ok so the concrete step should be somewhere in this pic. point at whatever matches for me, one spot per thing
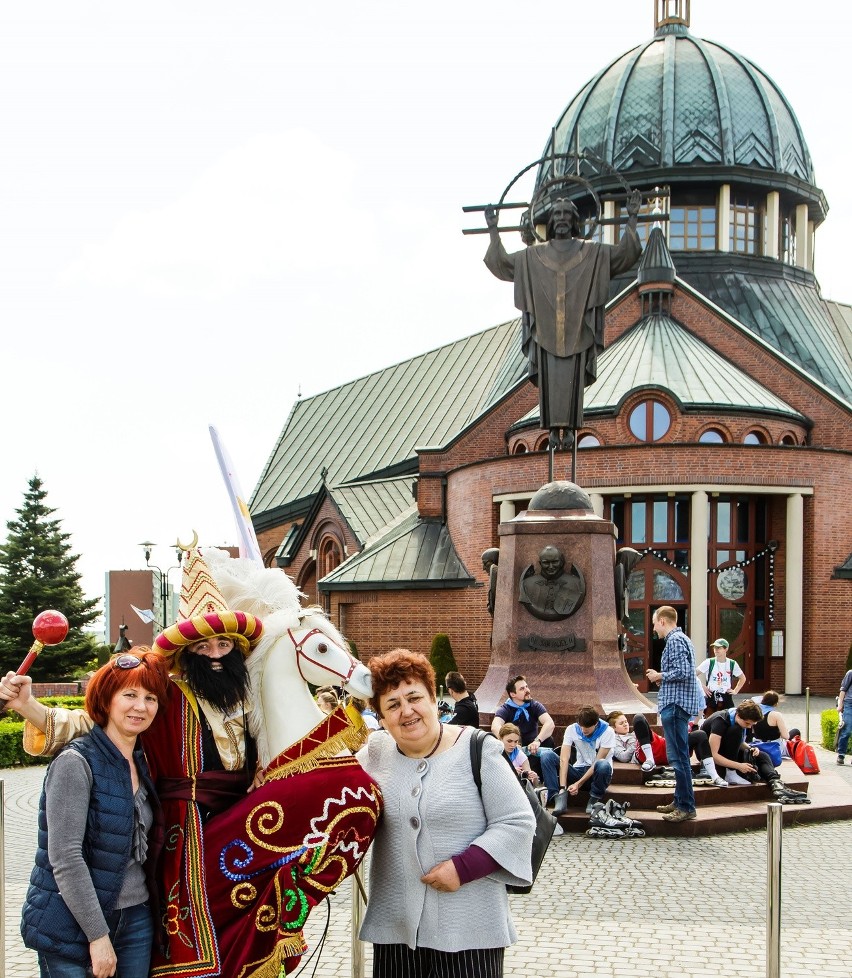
(723, 810)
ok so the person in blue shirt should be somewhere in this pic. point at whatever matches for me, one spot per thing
(681, 698)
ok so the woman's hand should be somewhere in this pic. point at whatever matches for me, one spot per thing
(103, 957)
(443, 877)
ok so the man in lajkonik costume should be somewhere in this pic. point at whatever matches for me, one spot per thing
(235, 877)
(561, 287)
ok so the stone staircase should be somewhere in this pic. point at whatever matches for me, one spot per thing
(720, 810)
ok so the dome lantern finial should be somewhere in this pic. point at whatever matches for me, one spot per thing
(671, 16)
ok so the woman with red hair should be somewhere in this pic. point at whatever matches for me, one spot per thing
(87, 910)
(443, 853)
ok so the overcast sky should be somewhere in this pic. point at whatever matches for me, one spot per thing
(207, 207)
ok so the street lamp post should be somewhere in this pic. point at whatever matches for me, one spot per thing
(164, 578)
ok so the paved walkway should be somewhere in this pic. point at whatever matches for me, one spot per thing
(584, 919)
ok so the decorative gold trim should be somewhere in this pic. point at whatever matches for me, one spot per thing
(350, 738)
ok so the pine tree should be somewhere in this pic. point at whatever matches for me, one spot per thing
(38, 571)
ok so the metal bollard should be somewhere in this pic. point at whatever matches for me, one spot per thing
(807, 714)
(774, 824)
(358, 903)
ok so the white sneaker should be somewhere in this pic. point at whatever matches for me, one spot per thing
(648, 765)
(718, 782)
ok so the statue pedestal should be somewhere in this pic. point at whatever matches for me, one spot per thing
(574, 661)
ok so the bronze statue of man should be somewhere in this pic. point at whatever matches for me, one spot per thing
(555, 593)
(561, 288)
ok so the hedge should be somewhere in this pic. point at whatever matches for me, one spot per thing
(11, 747)
(829, 721)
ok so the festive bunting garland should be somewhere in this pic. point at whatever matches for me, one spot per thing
(770, 549)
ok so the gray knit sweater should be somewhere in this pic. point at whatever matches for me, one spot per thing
(432, 811)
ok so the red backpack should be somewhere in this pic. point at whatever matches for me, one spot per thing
(804, 755)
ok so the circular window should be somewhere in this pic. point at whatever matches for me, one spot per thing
(650, 420)
(732, 583)
(754, 438)
(588, 441)
(712, 437)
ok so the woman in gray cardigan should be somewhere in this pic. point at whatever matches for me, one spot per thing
(443, 854)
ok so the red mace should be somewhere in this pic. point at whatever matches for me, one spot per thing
(49, 628)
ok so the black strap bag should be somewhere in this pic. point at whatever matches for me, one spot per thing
(545, 823)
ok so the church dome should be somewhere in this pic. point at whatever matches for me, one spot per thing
(678, 101)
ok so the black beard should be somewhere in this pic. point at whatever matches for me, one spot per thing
(223, 688)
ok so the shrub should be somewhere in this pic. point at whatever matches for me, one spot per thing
(442, 658)
(829, 721)
(11, 749)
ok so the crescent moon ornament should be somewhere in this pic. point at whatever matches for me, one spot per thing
(187, 547)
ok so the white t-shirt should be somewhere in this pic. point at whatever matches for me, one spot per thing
(587, 753)
(723, 676)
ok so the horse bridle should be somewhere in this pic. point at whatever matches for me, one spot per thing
(301, 654)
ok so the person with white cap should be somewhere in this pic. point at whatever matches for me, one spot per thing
(717, 675)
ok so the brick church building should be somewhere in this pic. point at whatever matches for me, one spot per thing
(717, 437)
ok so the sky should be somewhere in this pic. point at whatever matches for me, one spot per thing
(208, 209)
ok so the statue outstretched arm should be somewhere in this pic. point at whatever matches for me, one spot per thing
(626, 253)
(497, 260)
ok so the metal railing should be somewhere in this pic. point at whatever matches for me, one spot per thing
(774, 824)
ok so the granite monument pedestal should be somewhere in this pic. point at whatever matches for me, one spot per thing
(555, 610)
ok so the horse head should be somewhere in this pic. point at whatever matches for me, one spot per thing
(298, 646)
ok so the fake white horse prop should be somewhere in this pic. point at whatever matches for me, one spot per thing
(271, 858)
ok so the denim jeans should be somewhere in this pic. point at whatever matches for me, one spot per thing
(549, 763)
(846, 728)
(131, 931)
(675, 721)
(600, 780)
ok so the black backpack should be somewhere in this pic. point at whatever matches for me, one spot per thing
(545, 823)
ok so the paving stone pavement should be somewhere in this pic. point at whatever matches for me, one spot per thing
(586, 916)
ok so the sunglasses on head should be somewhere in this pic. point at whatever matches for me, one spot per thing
(126, 661)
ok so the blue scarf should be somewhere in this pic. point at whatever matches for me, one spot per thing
(521, 711)
(595, 735)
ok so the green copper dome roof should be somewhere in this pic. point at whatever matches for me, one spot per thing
(677, 101)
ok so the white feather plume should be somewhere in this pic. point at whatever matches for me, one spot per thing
(256, 590)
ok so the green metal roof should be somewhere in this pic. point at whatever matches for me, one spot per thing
(415, 554)
(370, 507)
(370, 427)
(659, 352)
(783, 307)
(678, 100)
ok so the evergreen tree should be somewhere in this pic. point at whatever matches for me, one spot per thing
(442, 658)
(38, 571)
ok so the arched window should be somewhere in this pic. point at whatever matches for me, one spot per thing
(543, 443)
(788, 439)
(588, 441)
(754, 438)
(329, 556)
(520, 448)
(650, 420)
(712, 437)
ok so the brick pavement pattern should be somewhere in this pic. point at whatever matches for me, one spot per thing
(584, 917)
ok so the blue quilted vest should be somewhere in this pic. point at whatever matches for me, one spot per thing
(47, 924)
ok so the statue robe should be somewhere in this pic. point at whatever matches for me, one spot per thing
(561, 289)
